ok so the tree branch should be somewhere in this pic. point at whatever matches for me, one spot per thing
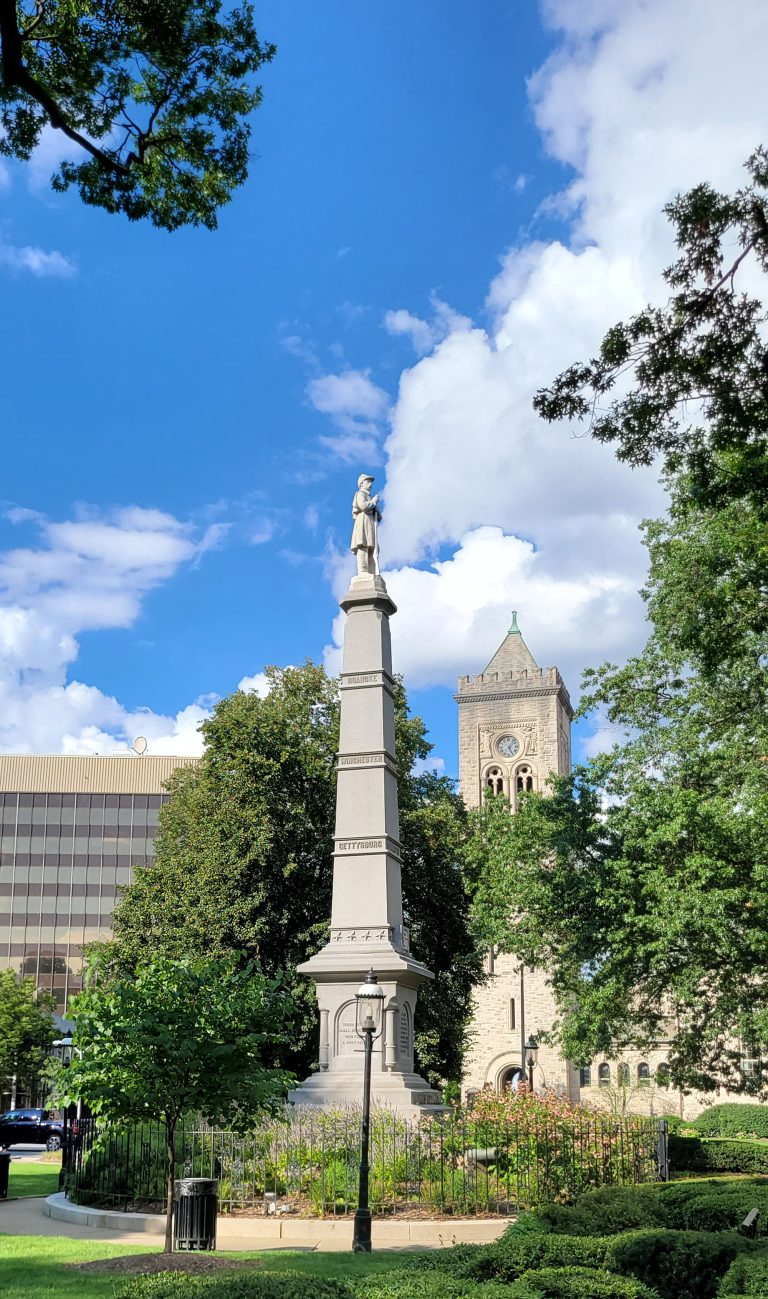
(15, 73)
(36, 21)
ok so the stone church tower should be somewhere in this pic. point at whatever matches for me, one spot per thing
(514, 730)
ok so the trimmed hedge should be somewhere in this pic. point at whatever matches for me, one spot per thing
(746, 1275)
(576, 1283)
(696, 1154)
(408, 1284)
(683, 1206)
(733, 1121)
(234, 1285)
(678, 1264)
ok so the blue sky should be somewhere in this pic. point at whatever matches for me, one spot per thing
(449, 203)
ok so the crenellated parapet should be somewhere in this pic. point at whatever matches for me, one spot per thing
(530, 681)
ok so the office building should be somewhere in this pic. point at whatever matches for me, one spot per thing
(73, 829)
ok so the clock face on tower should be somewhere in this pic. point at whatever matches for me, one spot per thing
(508, 746)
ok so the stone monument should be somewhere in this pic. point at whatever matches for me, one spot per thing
(367, 929)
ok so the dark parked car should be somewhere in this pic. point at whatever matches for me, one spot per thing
(31, 1128)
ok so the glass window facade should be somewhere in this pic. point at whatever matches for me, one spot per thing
(63, 860)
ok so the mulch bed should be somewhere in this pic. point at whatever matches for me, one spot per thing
(198, 1262)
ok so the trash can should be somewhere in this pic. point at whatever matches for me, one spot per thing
(5, 1167)
(195, 1205)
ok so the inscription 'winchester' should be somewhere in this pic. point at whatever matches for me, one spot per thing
(361, 759)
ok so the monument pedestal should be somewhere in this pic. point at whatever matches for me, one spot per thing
(367, 911)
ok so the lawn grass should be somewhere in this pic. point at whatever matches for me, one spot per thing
(33, 1267)
(26, 1178)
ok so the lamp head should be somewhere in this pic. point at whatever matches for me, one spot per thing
(370, 1006)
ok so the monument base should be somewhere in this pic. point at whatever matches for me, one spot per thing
(338, 971)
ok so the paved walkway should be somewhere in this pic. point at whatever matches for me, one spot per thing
(29, 1217)
(26, 1217)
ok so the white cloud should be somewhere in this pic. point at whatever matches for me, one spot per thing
(419, 332)
(87, 573)
(624, 102)
(356, 406)
(424, 334)
(41, 264)
(262, 531)
(52, 149)
(453, 614)
(256, 685)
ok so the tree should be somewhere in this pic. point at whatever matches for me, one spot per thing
(27, 1029)
(157, 94)
(174, 1038)
(641, 881)
(244, 859)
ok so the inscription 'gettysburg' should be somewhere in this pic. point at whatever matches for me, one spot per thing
(358, 845)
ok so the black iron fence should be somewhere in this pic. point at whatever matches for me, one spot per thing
(308, 1162)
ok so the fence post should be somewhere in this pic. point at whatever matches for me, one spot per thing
(662, 1151)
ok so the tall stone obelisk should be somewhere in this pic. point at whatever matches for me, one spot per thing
(367, 929)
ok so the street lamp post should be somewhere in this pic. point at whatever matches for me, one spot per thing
(369, 1023)
(531, 1052)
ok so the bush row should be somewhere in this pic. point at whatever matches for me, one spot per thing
(733, 1121)
(747, 1275)
(678, 1206)
(676, 1264)
(699, 1155)
(547, 1283)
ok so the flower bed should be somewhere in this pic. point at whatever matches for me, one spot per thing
(502, 1155)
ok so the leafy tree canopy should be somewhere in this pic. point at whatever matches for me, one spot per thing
(27, 1029)
(244, 860)
(157, 93)
(642, 881)
(178, 1037)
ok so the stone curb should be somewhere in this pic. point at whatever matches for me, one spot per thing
(318, 1233)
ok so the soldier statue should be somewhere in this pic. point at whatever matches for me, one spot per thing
(366, 514)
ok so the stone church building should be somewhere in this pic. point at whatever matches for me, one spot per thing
(514, 730)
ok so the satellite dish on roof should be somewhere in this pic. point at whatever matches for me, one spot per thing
(139, 745)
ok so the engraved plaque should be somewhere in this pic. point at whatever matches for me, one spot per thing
(405, 1035)
(347, 1041)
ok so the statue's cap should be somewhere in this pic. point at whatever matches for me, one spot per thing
(364, 478)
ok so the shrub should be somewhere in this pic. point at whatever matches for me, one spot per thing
(733, 1121)
(747, 1275)
(508, 1258)
(678, 1264)
(576, 1283)
(690, 1205)
(717, 1156)
(425, 1285)
(597, 1213)
(233, 1285)
(674, 1123)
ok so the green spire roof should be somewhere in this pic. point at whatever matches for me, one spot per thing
(513, 655)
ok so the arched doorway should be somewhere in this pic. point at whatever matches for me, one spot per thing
(510, 1079)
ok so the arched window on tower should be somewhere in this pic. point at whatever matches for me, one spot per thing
(523, 780)
(494, 780)
(643, 1074)
(604, 1075)
(623, 1075)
